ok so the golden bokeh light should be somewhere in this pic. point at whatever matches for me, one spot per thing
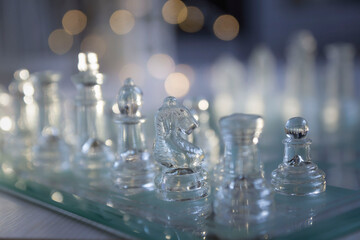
(160, 65)
(94, 43)
(194, 20)
(226, 27)
(177, 85)
(171, 11)
(60, 41)
(138, 7)
(122, 21)
(133, 71)
(74, 21)
(187, 70)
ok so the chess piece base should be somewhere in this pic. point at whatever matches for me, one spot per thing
(300, 180)
(243, 200)
(133, 173)
(182, 184)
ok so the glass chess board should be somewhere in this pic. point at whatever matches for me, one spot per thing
(331, 214)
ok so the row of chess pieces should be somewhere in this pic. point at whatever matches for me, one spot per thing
(179, 169)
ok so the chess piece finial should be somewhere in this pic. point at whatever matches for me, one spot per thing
(133, 170)
(298, 175)
(242, 185)
(129, 99)
(296, 127)
(182, 176)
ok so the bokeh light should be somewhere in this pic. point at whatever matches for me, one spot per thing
(177, 85)
(174, 11)
(6, 123)
(60, 41)
(138, 7)
(121, 22)
(194, 20)
(187, 70)
(226, 27)
(94, 43)
(133, 71)
(74, 21)
(160, 65)
(203, 104)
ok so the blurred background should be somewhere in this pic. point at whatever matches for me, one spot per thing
(277, 58)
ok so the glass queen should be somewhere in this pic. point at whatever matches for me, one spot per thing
(182, 176)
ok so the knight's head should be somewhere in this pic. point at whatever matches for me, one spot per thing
(180, 118)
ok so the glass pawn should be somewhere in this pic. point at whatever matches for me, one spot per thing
(243, 196)
(93, 158)
(297, 175)
(51, 153)
(133, 170)
(23, 134)
(182, 176)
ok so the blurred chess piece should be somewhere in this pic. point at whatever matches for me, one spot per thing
(182, 176)
(262, 95)
(51, 152)
(340, 111)
(204, 136)
(228, 84)
(298, 175)
(133, 170)
(243, 196)
(6, 122)
(93, 158)
(301, 90)
(23, 134)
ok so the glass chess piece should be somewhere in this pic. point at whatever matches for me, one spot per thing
(133, 169)
(204, 136)
(6, 123)
(23, 134)
(243, 195)
(182, 176)
(50, 153)
(93, 158)
(297, 175)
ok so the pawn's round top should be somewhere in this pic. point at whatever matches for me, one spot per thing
(296, 127)
(129, 99)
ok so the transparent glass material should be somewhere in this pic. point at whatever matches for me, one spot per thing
(93, 158)
(51, 153)
(133, 170)
(23, 134)
(182, 176)
(297, 175)
(243, 195)
(204, 136)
